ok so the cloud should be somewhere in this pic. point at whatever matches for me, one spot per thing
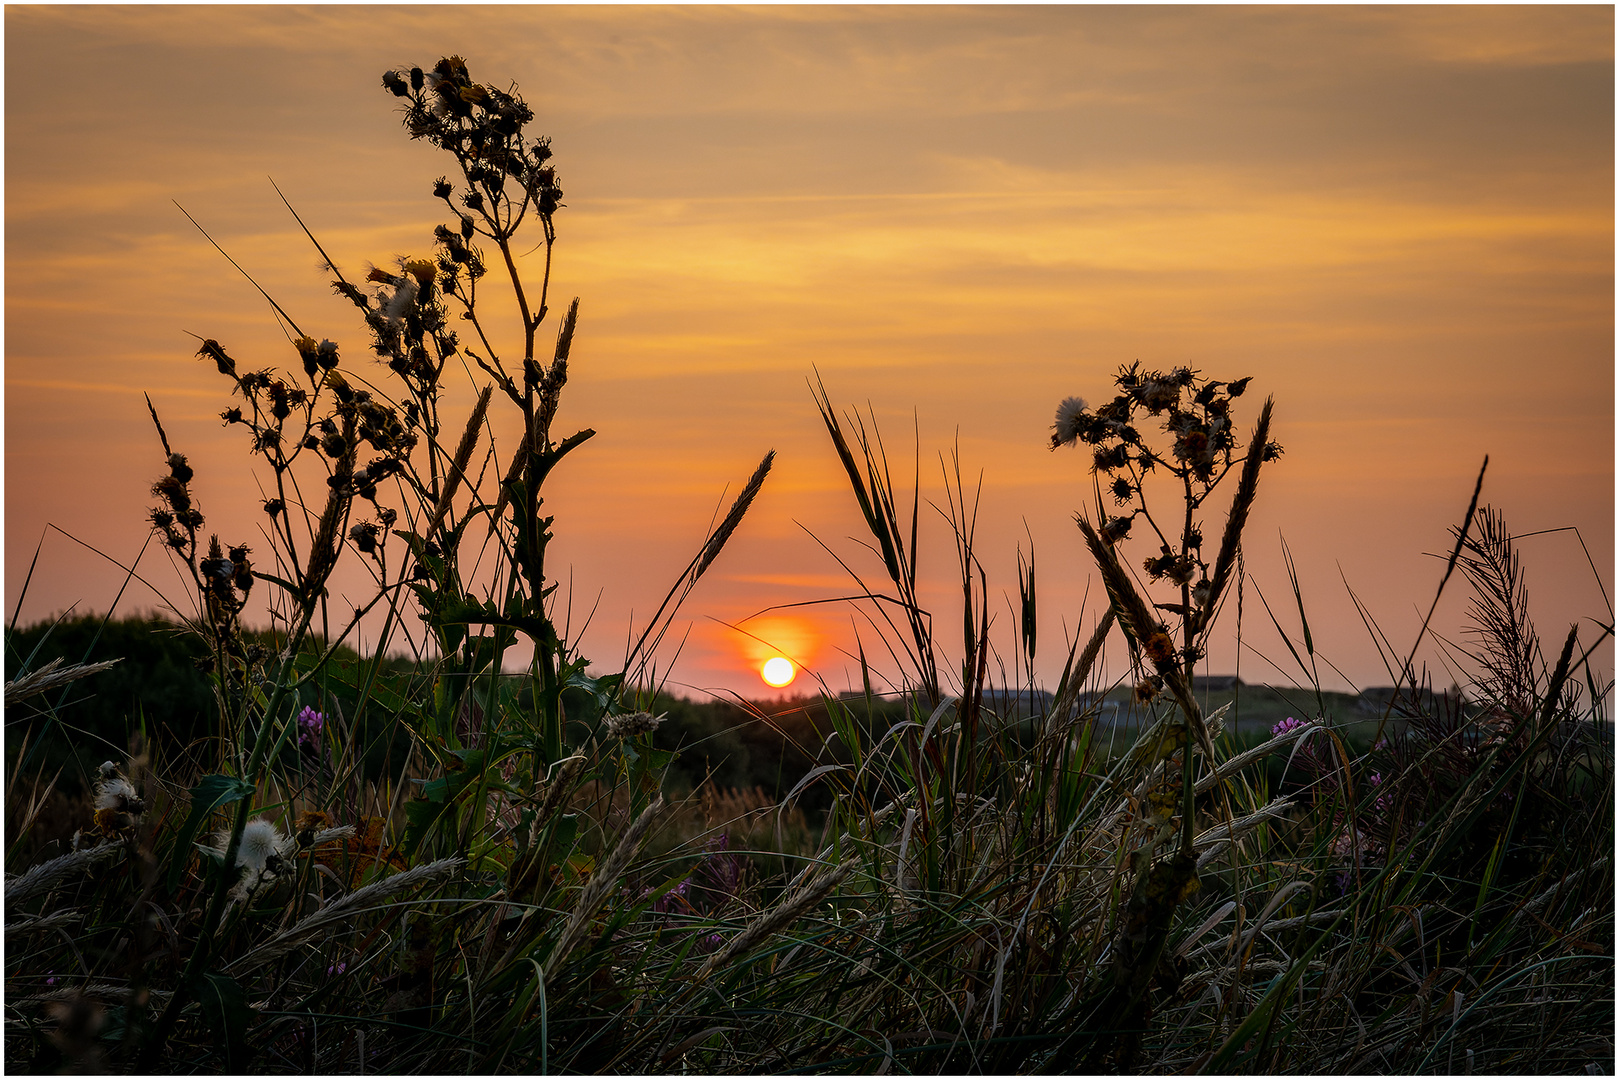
(1398, 219)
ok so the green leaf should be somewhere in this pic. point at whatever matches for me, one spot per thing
(421, 816)
(585, 698)
(657, 759)
(211, 793)
(281, 581)
(352, 676)
(564, 830)
(438, 797)
(228, 1015)
(486, 614)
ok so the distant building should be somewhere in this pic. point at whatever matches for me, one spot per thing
(1017, 704)
(1202, 683)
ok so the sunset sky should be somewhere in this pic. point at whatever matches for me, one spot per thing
(1398, 221)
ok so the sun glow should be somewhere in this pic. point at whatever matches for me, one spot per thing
(778, 671)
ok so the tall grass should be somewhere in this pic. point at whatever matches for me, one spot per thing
(991, 889)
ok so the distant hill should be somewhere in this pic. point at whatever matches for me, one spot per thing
(768, 744)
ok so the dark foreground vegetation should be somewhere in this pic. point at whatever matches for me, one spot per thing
(266, 853)
(156, 699)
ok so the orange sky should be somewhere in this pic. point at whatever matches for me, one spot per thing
(1399, 221)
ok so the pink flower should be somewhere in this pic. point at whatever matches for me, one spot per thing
(1284, 726)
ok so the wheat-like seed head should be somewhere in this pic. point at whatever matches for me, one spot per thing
(48, 875)
(462, 458)
(49, 677)
(339, 911)
(733, 518)
(778, 917)
(602, 880)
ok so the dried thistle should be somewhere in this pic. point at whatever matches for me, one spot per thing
(629, 725)
(1195, 417)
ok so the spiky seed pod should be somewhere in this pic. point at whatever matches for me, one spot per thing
(364, 536)
(1115, 457)
(280, 407)
(174, 492)
(241, 570)
(355, 296)
(210, 348)
(1159, 647)
(1158, 396)
(1117, 528)
(116, 804)
(630, 725)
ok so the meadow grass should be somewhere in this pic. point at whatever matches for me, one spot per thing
(954, 882)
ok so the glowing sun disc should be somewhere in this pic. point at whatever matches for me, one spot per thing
(778, 671)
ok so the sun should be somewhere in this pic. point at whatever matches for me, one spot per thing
(778, 671)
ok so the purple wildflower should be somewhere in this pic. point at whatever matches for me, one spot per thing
(718, 878)
(673, 900)
(337, 968)
(1284, 726)
(310, 724)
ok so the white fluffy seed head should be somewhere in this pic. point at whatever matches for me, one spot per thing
(115, 793)
(401, 300)
(260, 839)
(1067, 425)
